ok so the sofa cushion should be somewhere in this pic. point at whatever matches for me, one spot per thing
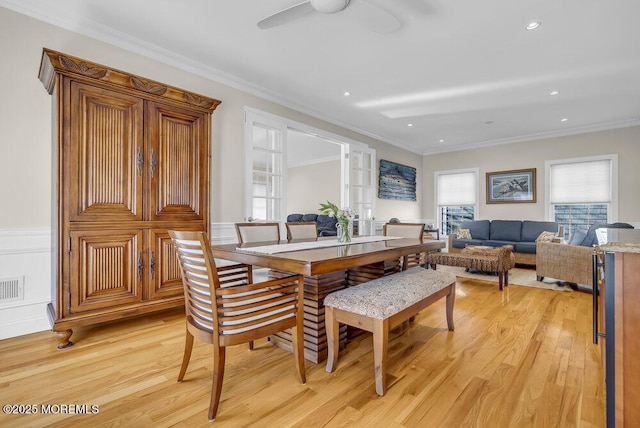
(532, 229)
(309, 217)
(461, 243)
(479, 228)
(294, 217)
(326, 223)
(525, 247)
(506, 230)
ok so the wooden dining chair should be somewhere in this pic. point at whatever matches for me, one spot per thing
(302, 230)
(257, 232)
(224, 308)
(407, 230)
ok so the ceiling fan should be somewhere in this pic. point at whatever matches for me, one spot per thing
(369, 14)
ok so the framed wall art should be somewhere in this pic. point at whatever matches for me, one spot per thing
(508, 187)
(396, 181)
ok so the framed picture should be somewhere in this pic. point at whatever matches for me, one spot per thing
(396, 181)
(508, 187)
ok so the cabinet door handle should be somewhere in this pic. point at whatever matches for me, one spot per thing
(140, 267)
(140, 161)
(153, 264)
(153, 161)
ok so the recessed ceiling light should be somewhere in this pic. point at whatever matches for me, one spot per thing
(442, 141)
(347, 93)
(564, 119)
(552, 93)
(533, 25)
(409, 124)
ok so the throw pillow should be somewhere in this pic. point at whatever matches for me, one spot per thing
(463, 234)
(578, 236)
(546, 236)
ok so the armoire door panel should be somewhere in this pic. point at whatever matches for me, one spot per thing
(165, 279)
(106, 158)
(107, 268)
(176, 151)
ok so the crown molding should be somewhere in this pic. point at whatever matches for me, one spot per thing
(538, 136)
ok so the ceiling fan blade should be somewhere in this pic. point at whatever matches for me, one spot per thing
(373, 17)
(286, 15)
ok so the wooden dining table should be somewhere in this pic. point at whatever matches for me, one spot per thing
(325, 270)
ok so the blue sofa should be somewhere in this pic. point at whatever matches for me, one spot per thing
(326, 225)
(517, 233)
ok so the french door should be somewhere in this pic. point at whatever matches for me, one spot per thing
(359, 185)
(265, 150)
(266, 172)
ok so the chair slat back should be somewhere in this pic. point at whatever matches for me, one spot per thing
(302, 230)
(404, 230)
(199, 277)
(257, 232)
(225, 303)
(243, 309)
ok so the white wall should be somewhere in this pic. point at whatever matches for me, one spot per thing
(625, 142)
(311, 184)
(25, 152)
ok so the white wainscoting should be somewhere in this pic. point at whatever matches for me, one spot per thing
(26, 253)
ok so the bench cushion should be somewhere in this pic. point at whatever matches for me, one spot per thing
(386, 296)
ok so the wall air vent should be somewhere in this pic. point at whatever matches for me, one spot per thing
(11, 289)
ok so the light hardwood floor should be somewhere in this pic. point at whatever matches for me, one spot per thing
(518, 358)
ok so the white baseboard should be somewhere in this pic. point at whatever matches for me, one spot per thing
(26, 319)
(26, 253)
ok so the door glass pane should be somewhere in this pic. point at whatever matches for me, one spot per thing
(361, 187)
(259, 209)
(265, 168)
(260, 162)
(259, 139)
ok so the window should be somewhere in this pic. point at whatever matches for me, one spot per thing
(581, 191)
(456, 198)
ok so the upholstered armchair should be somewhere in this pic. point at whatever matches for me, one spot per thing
(571, 262)
(565, 262)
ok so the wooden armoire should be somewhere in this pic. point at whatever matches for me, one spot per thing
(130, 161)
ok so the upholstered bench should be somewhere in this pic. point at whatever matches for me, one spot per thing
(499, 260)
(382, 304)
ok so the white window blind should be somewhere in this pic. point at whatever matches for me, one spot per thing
(457, 189)
(580, 182)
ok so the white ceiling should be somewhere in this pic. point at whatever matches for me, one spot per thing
(462, 71)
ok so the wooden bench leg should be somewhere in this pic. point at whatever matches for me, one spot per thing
(333, 338)
(380, 347)
(503, 279)
(451, 298)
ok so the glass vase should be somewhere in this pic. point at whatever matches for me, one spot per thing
(344, 232)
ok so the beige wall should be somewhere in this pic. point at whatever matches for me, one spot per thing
(25, 123)
(309, 185)
(625, 142)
